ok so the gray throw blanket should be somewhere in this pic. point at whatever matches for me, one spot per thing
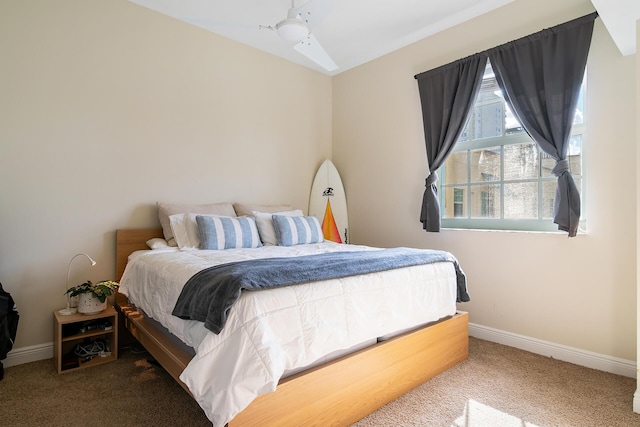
(210, 293)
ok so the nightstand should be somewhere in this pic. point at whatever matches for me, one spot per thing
(94, 332)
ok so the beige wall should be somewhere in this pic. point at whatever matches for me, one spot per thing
(578, 292)
(107, 107)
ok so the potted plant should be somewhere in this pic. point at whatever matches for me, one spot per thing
(92, 298)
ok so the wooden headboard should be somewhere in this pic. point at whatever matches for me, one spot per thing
(129, 241)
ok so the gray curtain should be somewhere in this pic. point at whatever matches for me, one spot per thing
(447, 94)
(540, 77)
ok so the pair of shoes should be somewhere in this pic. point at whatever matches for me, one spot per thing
(90, 326)
(106, 325)
(95, 348)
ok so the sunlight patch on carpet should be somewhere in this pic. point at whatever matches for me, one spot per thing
(147, 372)
(478, 415)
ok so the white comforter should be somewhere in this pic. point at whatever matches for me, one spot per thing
(278, 330)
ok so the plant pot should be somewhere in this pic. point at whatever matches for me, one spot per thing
(89, 304)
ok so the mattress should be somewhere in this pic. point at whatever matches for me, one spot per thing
(272, 332)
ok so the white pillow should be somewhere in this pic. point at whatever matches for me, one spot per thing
(264, 221)
(157, 243)
(245, 209)
(165, 210)
(185, 230)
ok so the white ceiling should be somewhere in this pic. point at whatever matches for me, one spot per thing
(358, 31)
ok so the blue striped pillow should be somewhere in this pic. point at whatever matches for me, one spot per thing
(297, 230)
(227, 233)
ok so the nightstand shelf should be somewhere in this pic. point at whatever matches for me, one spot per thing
(71, 330)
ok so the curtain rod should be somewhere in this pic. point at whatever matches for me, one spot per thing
(560, 27)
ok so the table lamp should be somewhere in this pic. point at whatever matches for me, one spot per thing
(69, 310)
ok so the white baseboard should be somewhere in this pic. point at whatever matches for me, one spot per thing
(573, 355)
(18, 356)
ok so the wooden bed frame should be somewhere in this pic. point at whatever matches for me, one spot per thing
(337, 393)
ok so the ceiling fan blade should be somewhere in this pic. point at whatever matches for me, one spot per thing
(314, 11)
(311, 48)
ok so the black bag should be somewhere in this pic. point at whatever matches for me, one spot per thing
(8, 325)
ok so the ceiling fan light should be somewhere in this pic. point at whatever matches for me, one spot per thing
(292, 30)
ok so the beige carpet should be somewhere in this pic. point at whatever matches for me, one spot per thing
(501, 386)
(498, 386)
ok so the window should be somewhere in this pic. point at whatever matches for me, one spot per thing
(497, 177)
(458, 202)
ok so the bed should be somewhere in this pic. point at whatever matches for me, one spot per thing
(334, 390)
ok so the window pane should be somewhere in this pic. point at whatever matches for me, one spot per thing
(455, 202)
(485, 164)
(521, 200)
(485, 201)
(456, 168)
(578, 117)
(547, 164)
(512, 125)
(574, 155)
(520, 161)
(458, 202)
(548, 198)
(489, 119)
(468, 128)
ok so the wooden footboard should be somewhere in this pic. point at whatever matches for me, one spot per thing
(337, 393)
(343, 391)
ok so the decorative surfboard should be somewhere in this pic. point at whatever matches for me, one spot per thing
(328, 202)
